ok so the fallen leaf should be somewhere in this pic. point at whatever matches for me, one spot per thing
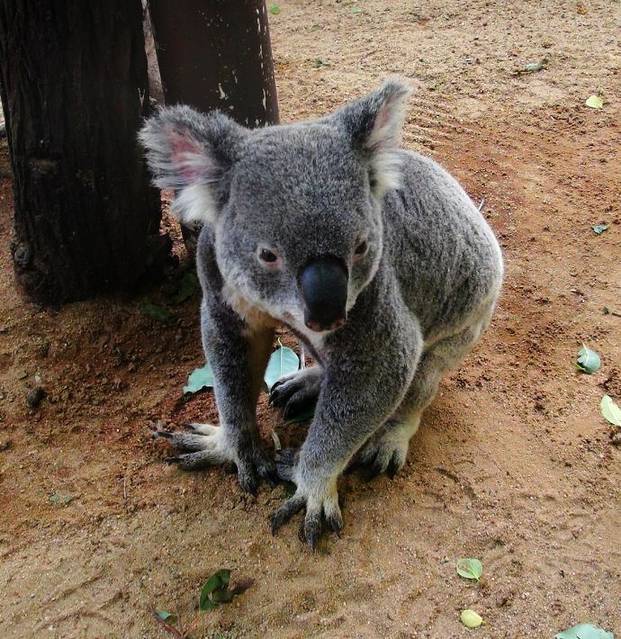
(610, 410)
(199, 378)
(598, 229)
(283, 361)
(588, 361)
(356, 10)
(164, 615)
(594, 102)
(274, 9)
(584, 631)
(156, 312)
(470, 618)
(469, 568)
(217, 583)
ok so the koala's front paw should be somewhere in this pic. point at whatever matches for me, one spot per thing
(320, 498)
(384, 453)
(297, 392)
(206, 445)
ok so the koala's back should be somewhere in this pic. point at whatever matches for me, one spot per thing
(444, 254)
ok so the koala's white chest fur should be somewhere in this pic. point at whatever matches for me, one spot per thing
(256, 318)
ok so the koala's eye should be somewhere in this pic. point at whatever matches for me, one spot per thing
(361, 249)
(267, 256)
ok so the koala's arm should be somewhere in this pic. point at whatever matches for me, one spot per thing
(369, 364)
(238, 357)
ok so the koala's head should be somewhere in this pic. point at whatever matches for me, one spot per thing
(296, 209)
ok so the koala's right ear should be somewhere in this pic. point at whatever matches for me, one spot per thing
(192, 153)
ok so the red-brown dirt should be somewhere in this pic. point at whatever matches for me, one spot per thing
(513, 465)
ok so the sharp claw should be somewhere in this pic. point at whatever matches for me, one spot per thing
(312, 530)
(393, 468)
(166, 434)
(172, 460)
(291, 507)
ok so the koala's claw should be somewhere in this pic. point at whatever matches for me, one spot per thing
(383, 455)
(297, 393)
(322, 511)
(206, 445)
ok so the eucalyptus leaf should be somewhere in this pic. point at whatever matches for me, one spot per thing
(212, 592)
(199, 378)
(469, 568)
(598, 229)
(588, 360)
(584, 631)
(594, 102)
(610, 410)
(164, 615)
(470, 618)
(283, 361)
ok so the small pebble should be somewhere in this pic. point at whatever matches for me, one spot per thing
(616, 439)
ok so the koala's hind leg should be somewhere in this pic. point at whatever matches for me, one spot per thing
(386, 450)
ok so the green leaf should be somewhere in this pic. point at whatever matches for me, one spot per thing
(588, 361)
(156, 312)
(164, 615)
(610, 410)
(199, 378)
(469, 568)
(188, 285)
(283, 361)
(274, 9)
(470, 618)
(594, 102)
(356, 10)
(598, 229)
(584, 631)
(212, 589)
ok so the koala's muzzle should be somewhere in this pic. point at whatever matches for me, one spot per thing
(323, 282)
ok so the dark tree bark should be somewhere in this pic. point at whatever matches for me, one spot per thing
(216, 54)
(74, 87)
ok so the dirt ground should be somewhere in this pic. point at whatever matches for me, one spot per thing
(513, 465)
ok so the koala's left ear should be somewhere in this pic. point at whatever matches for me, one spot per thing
(374, 125)
(192, 153)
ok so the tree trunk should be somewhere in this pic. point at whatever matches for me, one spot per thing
(74, 87)
(216, 54)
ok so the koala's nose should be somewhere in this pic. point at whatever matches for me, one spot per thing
(323, 283)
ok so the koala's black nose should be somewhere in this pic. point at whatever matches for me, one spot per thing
(323, 282)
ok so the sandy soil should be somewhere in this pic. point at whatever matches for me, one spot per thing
(514, 463)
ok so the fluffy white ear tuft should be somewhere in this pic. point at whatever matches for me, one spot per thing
(374, 124)
(191, 153)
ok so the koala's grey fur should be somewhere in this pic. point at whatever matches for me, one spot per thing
(417, 301)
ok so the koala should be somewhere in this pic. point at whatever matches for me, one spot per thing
(374, 256)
